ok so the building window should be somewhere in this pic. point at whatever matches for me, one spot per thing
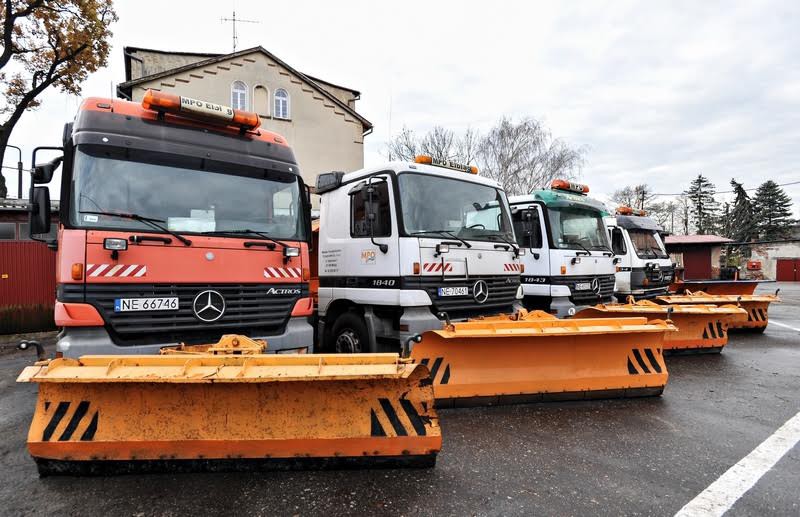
(239, 95)
(281, 103)
(8, 231)
(261, 101)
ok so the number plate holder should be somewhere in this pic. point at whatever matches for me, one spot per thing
(168, 303)
(454, 291)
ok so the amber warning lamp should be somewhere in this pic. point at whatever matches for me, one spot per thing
(579, 188)
(199, 110)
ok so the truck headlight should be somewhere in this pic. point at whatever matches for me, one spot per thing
(291, 251)
(114, 244)
(520, 293)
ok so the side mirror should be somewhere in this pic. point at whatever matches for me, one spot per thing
(43, 173)
(39, 217)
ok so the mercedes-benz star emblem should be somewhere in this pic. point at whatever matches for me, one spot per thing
(208, 306)
(595, 285)
(480, 291)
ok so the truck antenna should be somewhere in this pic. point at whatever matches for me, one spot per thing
(233, 21)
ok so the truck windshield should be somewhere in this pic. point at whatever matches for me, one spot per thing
(469, 210)
(647, 244)
(578, 228)
(190, 195)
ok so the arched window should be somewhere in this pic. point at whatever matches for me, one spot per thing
(239, 95)
(281, 103)
(261, 100)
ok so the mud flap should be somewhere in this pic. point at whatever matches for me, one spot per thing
(125, 414)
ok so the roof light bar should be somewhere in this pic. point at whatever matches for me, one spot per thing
(447, 164)
(626, 210)
(580, 188)
(199, 110)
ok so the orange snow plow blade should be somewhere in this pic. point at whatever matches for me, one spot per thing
(701, 328)
(756, 305)
(534, 356)
(177, 413)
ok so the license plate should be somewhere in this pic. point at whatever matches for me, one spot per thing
(668, 278)
(145, 304)
(453, 291)
(583, 286)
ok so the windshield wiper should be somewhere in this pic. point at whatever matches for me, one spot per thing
(604, 247)
(513, 245)
(247, 232)
(152, 222)
(446, 233)
(582, 246)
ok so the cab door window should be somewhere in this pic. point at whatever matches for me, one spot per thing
(359, 200)
(528, 229)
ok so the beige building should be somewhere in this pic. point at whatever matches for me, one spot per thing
(318, 119)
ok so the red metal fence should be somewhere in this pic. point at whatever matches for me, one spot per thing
(27, 287)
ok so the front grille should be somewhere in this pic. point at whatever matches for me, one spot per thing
(249, 310)
(653, 275)
(587, 296)
(502, 294)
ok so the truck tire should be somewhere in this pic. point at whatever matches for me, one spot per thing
(349, 335)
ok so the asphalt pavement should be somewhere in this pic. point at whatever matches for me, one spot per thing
(616, 457)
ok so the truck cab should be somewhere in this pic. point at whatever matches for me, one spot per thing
(180, 221)
(404, 247)
(569, 261)
(644, 268)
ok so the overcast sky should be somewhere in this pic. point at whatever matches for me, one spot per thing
(657, 92)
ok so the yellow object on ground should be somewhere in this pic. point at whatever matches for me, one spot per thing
(701, 328)
(756, 305)
(175, 412)
(535, 356)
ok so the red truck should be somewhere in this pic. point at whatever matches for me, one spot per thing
(180, 221)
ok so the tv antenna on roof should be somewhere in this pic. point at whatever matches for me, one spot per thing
(233, 19)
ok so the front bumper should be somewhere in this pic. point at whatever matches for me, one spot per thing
(78, 341)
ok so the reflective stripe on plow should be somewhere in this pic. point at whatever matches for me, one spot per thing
(649, 353)
(393, 419)
(437, 363)
(639, 359)
(58, 415)
(80, 412)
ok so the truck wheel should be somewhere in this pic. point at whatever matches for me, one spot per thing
(350, 334)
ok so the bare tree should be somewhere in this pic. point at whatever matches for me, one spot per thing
(439, 143)
(404, 146)
(523, 156)
(634, 196)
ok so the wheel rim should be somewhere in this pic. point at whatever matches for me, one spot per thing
(348, 342)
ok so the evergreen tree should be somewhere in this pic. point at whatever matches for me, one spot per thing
(742, 218)
(703, 208)
(773, 211)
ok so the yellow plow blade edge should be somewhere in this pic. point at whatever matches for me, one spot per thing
(756, 306)
(701, 329)
(534, 356)
(125, 414)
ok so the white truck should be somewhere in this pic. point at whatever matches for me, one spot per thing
(644, 268)
(404, 247)
(569, 263)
